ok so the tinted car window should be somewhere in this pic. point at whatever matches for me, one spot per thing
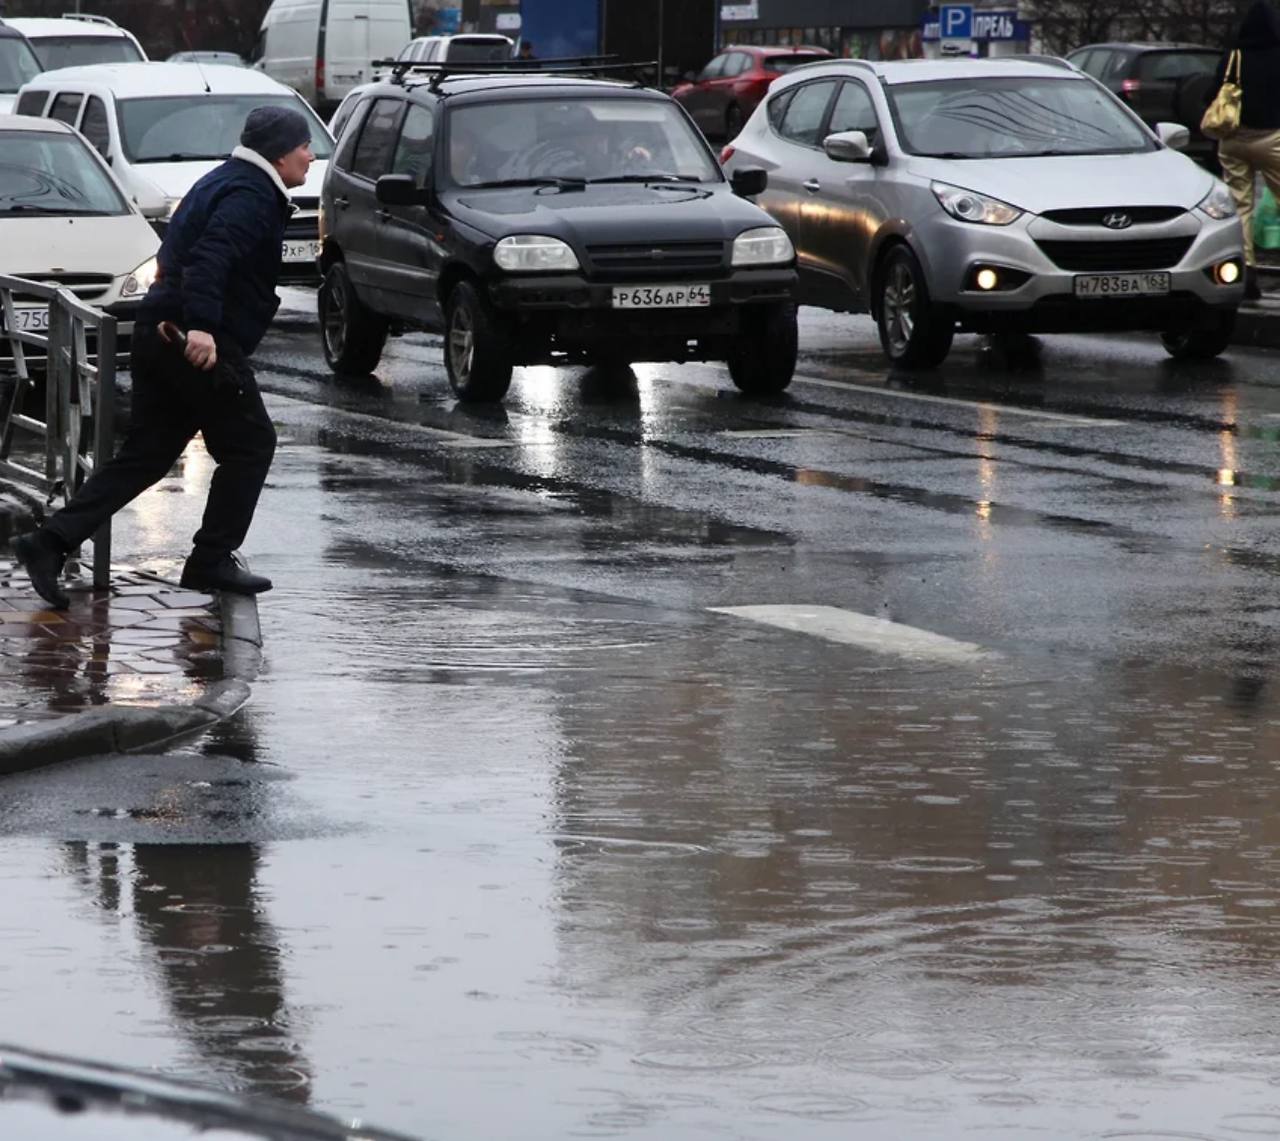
(94, 125)
(736, 64)
(413, 151)
(1116, 66)
(803, 118)
(31, 103)
(80, 51)
(478, 51)
(1012, 118)
(53, 174)
(173, 128)
(714, 69)
(351, 133)
(778, 107)
(781, 64)
(853, 111)
(1175, 65)
(578, 138)
(377, 140)
(66, 105)
(18, 64)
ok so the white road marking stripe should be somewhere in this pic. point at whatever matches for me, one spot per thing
(956, 402)
(854, 629)
(778, 433)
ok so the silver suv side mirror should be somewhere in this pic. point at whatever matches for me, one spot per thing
(1173, 135)
(847, 146)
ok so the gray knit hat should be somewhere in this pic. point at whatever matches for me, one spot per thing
(274, 131)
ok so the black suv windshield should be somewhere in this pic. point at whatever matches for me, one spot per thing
(42, 174)
(177, 128)
(18, 63)
(81, 51)
(575, 139)
(1012, 118)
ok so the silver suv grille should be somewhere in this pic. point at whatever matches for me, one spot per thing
(1152, 253)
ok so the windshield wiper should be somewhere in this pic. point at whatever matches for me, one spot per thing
(27, 208)
(550, 181)
(647, 178)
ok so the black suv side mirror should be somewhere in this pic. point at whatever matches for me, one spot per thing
(748, 181)
(401, 190)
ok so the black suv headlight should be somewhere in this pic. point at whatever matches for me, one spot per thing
(765, 245)
(534, 253)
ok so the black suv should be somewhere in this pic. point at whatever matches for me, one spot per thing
(1160, 82)
(546, 219)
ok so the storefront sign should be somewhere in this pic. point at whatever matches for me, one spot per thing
(748, 11)
(986, 24)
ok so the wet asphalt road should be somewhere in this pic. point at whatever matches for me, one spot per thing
(519, 837)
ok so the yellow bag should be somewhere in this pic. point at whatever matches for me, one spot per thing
(1222, 119)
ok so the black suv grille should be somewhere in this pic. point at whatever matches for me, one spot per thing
(1157, 253)
(1094, 215)
(653, 260)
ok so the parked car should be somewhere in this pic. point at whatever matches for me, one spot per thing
(18, 63)
(324, 48)
(470, 48)
(162, 126)
(725, 93)
(994, 196)
(228, 58)
(1161, 82)
(550, 221)
(65, 220)
(78, 40)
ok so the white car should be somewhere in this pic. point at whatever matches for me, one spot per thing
(474, 47)
(65, 220)
(162, 126)
(18, 64)
(79, 40)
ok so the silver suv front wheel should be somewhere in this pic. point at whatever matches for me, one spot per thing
(913, 333)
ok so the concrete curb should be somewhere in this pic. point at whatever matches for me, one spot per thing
(131, 729)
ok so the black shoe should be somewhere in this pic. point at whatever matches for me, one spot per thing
(1252, 290)
(43, 558)
(209, 575)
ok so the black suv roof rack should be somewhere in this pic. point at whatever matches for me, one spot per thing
(582, 67)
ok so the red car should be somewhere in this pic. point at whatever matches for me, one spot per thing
(722, 98)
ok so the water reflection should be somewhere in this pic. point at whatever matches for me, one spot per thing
(200, 916)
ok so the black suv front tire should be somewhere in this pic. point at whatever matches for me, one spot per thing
(477, 351)
(352, 334)
(763, 360)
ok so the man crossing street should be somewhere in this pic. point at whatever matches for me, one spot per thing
(211, 304)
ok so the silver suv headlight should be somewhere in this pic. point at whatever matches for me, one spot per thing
(765, 245)
(970, 206)
(141, 279)
(1218, 203)
(534, 253)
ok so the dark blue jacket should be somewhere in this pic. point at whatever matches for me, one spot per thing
(221, 256)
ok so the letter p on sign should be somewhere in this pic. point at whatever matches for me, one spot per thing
(956, 21)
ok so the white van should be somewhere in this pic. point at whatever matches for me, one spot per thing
(324, 48)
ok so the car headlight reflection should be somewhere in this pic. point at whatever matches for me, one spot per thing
(534, 253)
(1218, 203)
(765, 245)
(141, 279)
(970, 206)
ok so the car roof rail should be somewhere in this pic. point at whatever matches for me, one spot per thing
(1032, 57)
(90, 18)
(580, 67)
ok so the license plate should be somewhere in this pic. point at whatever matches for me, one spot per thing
(661, 296)
(1122, 284)
(301, 251)
(29, 318)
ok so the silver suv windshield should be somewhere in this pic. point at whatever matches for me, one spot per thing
(183, 128)
(44, 174)
(575, 140)
(18, 64)
(1012, 117)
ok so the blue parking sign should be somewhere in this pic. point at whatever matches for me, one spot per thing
(956, 21)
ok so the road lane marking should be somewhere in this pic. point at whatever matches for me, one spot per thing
(853, 629)
(779, 433)
(955, 402)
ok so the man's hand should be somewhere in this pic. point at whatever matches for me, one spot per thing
(201, 350)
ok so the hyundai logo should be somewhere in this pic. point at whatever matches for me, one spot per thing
(1117, 220)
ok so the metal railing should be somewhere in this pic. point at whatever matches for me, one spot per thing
(80, 387)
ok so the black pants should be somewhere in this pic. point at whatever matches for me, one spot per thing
(172, 401)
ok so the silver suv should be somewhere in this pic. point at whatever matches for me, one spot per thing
(992, 196)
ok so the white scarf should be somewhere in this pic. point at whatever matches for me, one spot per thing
(248, 154)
